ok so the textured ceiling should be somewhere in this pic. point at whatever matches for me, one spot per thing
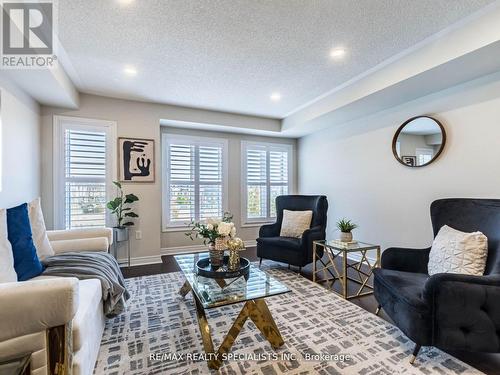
(231, 55)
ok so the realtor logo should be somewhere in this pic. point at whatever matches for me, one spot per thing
(27, 34)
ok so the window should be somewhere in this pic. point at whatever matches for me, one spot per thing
(424, 155)
(266, 175)
(83, 171)
(194, 176)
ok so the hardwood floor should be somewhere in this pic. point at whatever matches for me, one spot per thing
(487, 362)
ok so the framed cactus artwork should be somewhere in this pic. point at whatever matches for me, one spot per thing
(136, 159)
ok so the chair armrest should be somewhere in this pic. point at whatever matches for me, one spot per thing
(407, 260)
(308, 237)
(437, 283)
(313, 234)
(76, 234)
(465, 311)
(269, 230)
(83, 244)
(33, 306)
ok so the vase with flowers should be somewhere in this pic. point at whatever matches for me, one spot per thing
(215, 232)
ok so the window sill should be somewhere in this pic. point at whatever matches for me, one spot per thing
(256, 224)
(176, 229)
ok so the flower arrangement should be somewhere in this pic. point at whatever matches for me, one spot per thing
(212, 229)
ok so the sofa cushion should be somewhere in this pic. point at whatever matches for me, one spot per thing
(26, 262)
(38, 229)
(295, 223)
(7, 271)
(89, 303)
(454, 251)
(290, 243)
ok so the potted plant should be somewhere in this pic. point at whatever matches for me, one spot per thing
(346, 227)
(120, 207)
(215, 232)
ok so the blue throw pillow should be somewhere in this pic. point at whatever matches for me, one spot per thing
(26, 262)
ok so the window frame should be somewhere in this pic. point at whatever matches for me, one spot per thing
(424, 151)
(60, 124)
(268, 146)
(166, 140)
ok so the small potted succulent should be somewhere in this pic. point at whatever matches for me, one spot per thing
(346, 227)
(120, 207)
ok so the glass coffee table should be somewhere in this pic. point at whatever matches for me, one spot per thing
(211, 293)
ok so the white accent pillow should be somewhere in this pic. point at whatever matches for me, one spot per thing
(295, 223)
(39, 232)
(454, 251)
(7, 272)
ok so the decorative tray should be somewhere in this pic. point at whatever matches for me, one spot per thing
(205, 269)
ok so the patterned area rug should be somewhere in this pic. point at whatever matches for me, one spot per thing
(158, 334)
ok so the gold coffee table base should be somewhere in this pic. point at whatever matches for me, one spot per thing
(333, 272)
(256, 310)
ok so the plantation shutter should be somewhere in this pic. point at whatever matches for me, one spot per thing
(278, 177)
(267, 176)
(195, 179)
(210, 196)
(84, 178)
(256, 173)
(182, 182)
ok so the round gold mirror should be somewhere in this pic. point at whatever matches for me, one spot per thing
(419, 141)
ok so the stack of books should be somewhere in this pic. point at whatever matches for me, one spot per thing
(343, 245)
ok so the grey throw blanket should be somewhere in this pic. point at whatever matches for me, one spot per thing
(92, 265)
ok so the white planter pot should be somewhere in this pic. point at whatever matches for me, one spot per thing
(346, 236)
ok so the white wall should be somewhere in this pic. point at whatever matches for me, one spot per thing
(354, 166)
(20, 146)
(142, 120)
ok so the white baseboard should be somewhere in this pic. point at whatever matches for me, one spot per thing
(140, 261)
(357, 257)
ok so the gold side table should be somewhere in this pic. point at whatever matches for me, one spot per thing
(336, 269)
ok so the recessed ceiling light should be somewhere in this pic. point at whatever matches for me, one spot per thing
(337, 53)
(275, 96)
(125, 2)
(130, 71)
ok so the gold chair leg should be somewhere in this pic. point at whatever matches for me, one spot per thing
(415, 354)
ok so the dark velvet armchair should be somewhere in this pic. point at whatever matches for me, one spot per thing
(448, 311)
(294, 251)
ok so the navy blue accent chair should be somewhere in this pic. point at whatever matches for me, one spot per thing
(294, 251)
(448, 311)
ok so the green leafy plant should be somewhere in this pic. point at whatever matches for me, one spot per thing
(119, 206)
(346, 226)
(212, 228)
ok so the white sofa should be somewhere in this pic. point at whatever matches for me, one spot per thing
(38, 308)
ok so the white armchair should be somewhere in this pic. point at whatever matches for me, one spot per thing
(58, 320)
